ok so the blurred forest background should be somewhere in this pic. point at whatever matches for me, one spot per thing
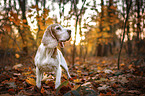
(106, 35)
(97, 26)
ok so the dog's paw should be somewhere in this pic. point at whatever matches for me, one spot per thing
(38, 85)
(57, 85)
(37, 89)
(71, 79)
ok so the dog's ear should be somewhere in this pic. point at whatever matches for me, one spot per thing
(49, 39)
(50, 29)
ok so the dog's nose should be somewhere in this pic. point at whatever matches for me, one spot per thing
(69, 31)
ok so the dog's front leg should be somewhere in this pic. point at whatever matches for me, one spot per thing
(58, 77)
(38, 78)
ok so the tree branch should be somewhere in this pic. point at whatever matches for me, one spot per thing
(128, 9)
(82, 8)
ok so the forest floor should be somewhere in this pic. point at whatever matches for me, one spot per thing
(94, 77)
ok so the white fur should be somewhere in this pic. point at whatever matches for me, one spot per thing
(44, 60)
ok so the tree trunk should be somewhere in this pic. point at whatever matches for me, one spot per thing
(129, 44)
(99, 47)
(126, 20)
(110, 48)
(77, 15)
(80, 31)
(111, 26)
(22, 32)
(25, 33)
(37, 37)
(105, 52)
(74, 44)
(138, 24)
(44, 2)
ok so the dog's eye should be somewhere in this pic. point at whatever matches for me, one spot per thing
(58, 28)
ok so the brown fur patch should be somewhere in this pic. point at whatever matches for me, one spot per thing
(54, 53)
(39, 49)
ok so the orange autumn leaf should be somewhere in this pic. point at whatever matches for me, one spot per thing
(103, 61)
(42, 90)
(76, 87)
(31, 81)
(108, 94)
(99, 68)
(122, 64)
(65, 76)
(77, 80)
(17, 55)
(11, 90)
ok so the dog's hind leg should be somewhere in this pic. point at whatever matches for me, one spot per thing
(58, 77)
(66, 69)
(63, 63)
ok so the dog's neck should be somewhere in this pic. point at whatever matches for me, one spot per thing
(51, 51)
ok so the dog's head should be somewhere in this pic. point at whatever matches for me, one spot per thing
(55, 34)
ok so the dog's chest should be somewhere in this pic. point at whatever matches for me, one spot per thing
(45, 62)
(48, 64)
(48, 67)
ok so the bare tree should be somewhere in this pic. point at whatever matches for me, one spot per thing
(77, 14)
(126, 20)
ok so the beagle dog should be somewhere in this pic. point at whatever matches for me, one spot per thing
(48, 58)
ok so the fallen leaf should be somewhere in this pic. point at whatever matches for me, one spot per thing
(65, 76)
(134, 91)
(77, 80)
(64, 89)
(11, 90)
(122, 64)
(79, 72)
(71, 79)
(76, 87)
(17, 56)
(104, 61)
(11, 83)
(86, 84)
(108, 94)
(102, 80)
(104, 87)
(108, 71)
(99, 68)
(62, 84)
(31, 81)
(16, 74)
(26, 73)
(5, 94)
(46, 77)
(42, 90)
(124, 80)
(17, 66)
(118, 73)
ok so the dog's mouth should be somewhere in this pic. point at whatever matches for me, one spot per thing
(61, 43)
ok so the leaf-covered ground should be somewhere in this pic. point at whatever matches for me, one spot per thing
(95, 77)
